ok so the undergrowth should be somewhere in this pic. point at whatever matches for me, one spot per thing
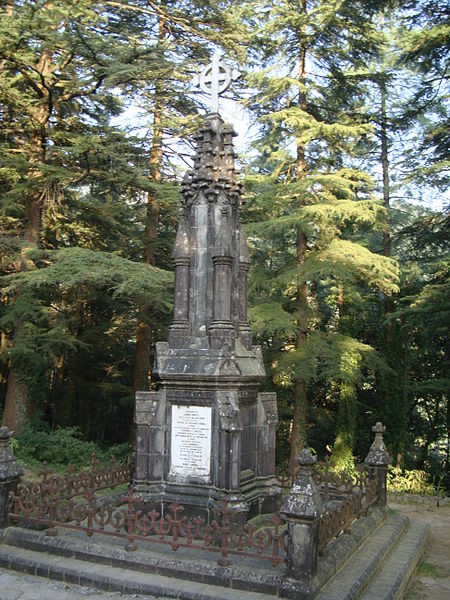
(413, 482)
(34, 445)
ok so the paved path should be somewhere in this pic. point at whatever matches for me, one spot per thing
(16, 586)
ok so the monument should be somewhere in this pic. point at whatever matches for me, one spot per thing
(208, 433)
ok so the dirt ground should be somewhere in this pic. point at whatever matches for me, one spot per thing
(432, 579)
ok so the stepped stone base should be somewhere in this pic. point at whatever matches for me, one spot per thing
(373, 563)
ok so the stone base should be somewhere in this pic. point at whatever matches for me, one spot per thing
(263, 496)
(260, 496)
(103, 562)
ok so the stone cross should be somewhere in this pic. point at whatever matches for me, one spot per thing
(215, 79)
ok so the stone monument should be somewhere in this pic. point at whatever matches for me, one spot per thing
(207, 433)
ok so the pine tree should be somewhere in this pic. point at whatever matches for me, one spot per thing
(315, 200)
(404, 85)
(424, 43)
(423, 315)
(61, 67)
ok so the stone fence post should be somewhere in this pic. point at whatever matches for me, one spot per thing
(301, 510)
(10, 474)
(378, 460)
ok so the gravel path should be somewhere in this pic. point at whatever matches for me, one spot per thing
(432, 580)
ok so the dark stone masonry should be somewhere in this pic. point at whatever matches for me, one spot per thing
(208, 432)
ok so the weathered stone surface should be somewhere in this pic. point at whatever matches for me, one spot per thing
(9, 467)
(378, 460)
(304, 500)
(209, 362)
(301, 509)
(378, 454)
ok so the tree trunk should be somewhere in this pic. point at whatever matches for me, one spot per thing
(404, 402)
(142, 365)
(299, 416)
(386, 203)
(18, 402)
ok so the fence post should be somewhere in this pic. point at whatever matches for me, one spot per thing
(10, 474)
(301, 510)
(378, 460)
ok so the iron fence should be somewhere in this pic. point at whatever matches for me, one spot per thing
(71, 501)
(360, 494)
(347, 496)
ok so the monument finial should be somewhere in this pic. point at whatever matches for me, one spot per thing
(215, 79)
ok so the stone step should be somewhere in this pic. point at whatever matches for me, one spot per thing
(244, 573)
(393, 576)
(358, 571)
(190, 564)
(73, 571)
(386, 557)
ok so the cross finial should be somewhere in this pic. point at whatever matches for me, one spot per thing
(215, 79)
(378, 428)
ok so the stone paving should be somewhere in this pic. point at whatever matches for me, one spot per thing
(17, 586)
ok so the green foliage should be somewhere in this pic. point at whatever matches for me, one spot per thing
(412, 481)
(35, 444)
(429, 570)
(75, 175)
(330, 357)
(77, 304)
(69, 269)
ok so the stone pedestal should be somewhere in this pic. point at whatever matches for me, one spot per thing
(301, 509)
(208, 433)
(378, 460)
(202, 438)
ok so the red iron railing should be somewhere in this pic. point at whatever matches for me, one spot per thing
(70, 501)
(360, 494)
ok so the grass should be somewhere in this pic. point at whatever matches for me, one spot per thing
(430, 570)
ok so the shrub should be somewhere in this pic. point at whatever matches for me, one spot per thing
(413, 482)
(33, 446)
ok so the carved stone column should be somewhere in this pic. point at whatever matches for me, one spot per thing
(221, 330)
(244, 331)
(378, 460)
(179, 329)
(230, 440)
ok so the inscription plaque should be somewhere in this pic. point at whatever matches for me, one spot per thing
(191, 440)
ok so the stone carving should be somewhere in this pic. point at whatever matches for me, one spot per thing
(214, 177)
(209, 360)
(378, 454)
(304, 500)
(215, 79)
(301, 509)
(228, 411)
(211, 256)
(378, 460)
